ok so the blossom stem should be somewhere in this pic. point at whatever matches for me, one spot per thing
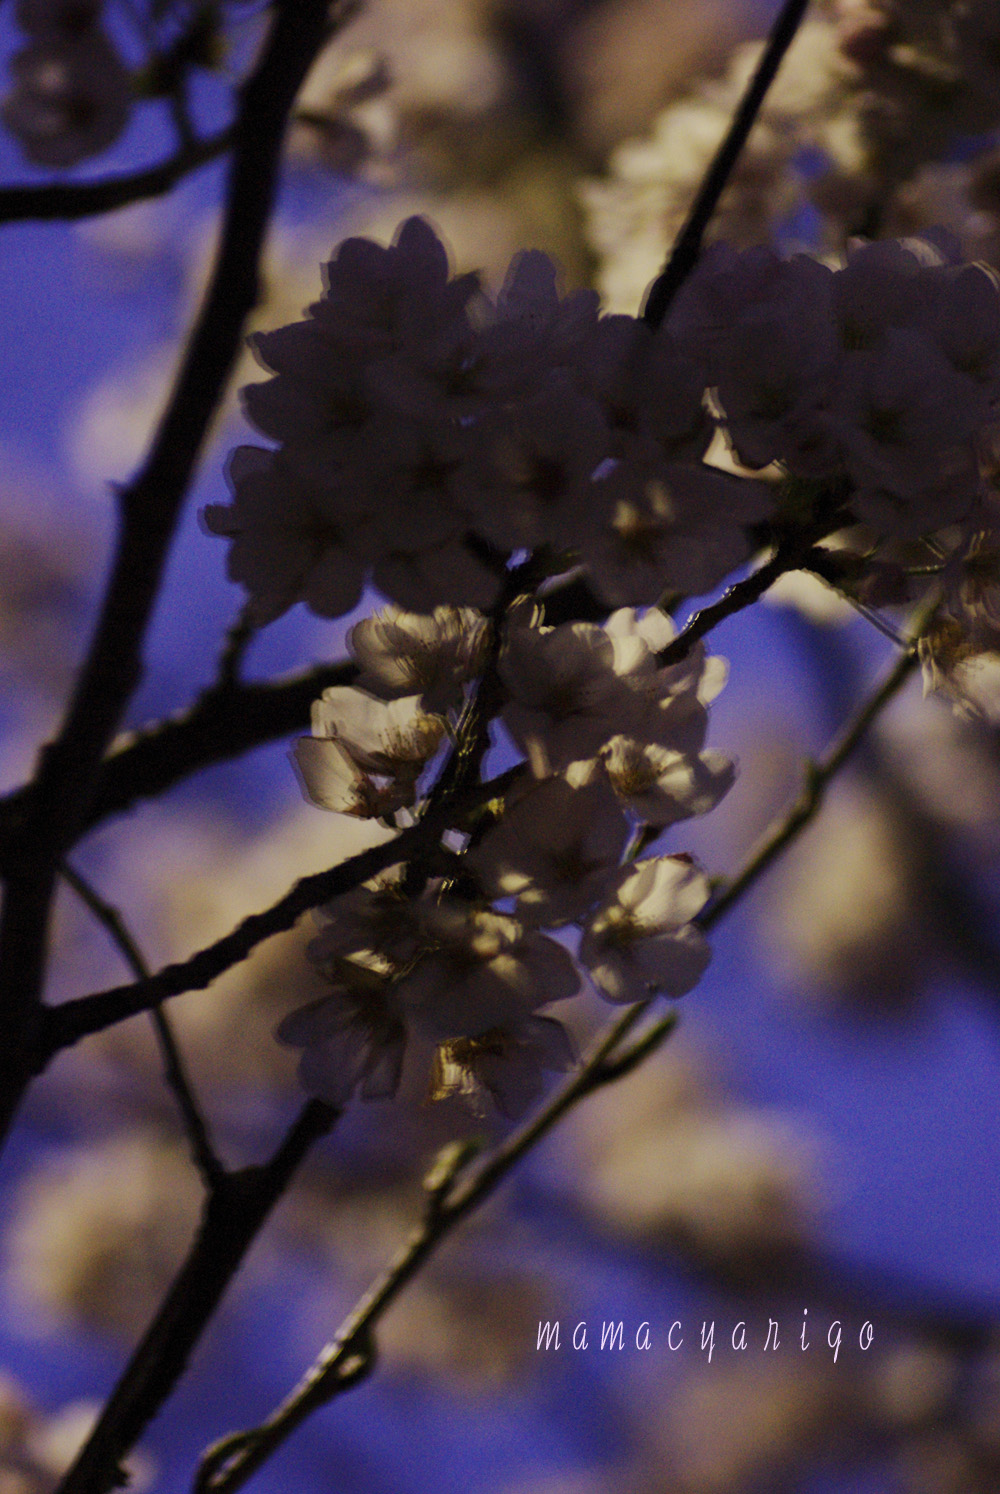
(792, 554)
(687, 247)
(202, 1151)
(231, 1462)
(228, 1464)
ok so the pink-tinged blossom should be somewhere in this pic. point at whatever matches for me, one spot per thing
(648, 388)
(421, 579)
(557, 850)
(481, 970)
(907, 424)
(377, 924)
(565, 698)
(430, 655)
(394, 737)
(365, 755)
(671, 700)
(533, 327)
(531, 481)
(884, 372)
(509, 1063)
(405, 474)
(733, 297)
(383, 300)
(331, 779)
(888, 283)
(642, 942)
(965, 322)
(764, 328)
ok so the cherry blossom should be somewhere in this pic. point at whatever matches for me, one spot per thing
(508, 1063)
(410, 653)
(353, 1038)
(556, 850)
(642, 942)
(565, 697)
(661, 785)
(288, 542)
(481, 970)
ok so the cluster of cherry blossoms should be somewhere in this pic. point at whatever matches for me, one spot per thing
(883, 376)
(72, 93)
(456, 452)
(426, 434)
(458, 953)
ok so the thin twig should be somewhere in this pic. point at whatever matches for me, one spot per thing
(818, 775)
(235, 1211)
(66, 201)
(202, 1151)
(228, 1464)
(66, 1023)
(791, 555)
(687, 246)
(238, 640)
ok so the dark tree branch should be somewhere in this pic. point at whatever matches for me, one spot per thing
(791, 555)
(223, 723)
(687, 248)
(202, 1151)
(63, 1025)
(149, 508)
(237, 1207)
(71, 200)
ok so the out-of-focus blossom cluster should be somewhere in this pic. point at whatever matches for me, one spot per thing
(403, 78)
(37, 1448)
(72, 93)
(456, 956)
(856, 134)
(99, 1230)
(681, 1165)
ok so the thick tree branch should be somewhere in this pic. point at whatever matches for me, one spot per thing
(237, 1207)
(149, 508)
(71, 200)
(791, 555)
